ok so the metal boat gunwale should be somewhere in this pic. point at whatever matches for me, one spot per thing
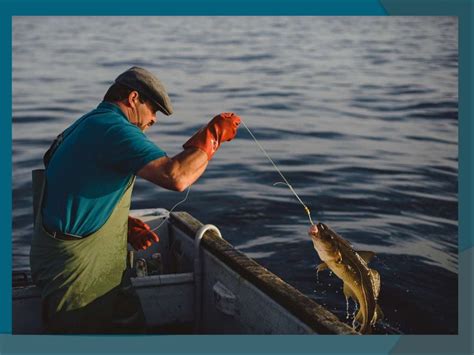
(301, 306)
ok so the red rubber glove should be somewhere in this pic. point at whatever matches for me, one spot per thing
(140, 235)
(221, 128)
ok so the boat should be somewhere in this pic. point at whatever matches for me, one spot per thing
(194, 282)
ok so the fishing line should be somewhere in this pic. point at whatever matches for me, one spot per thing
(167, 214)
(306, 208)
(279, 172)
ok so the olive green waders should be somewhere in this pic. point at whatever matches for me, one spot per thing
(84, 283)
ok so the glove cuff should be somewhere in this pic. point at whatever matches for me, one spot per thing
(205, 141)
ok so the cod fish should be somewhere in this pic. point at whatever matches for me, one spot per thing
(361, 283)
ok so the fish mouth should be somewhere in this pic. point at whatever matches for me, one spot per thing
(322, 229)
(322, 242)
(317, 230)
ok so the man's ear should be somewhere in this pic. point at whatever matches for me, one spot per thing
(132, 97)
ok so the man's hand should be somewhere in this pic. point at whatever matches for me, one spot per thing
(140, 235)
(222, 128)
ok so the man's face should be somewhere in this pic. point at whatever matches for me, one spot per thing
(141, 114)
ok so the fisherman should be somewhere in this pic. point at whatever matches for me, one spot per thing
(79, 247)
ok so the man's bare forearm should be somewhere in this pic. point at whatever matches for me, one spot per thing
(176, 173)
(188, 166)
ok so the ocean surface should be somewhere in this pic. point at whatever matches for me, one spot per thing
(359, 113)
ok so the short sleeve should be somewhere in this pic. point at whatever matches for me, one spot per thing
(127, 149)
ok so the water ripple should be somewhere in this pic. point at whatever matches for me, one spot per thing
(363, 125)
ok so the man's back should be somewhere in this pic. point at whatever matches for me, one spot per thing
(91, 169)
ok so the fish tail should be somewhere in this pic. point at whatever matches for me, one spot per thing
(363, 320)
(378, 315)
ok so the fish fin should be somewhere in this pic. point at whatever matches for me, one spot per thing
(321, 267)
(365, 328)
(366, 255)
(378, 315)
(348, 291)
(375, 279)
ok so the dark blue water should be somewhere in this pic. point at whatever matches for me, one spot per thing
(360, 114)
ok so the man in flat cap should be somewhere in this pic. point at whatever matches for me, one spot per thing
(78, 253)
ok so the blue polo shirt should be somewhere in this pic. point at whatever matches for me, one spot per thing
(90, 170)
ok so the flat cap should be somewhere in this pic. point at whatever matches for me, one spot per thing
(149, 85)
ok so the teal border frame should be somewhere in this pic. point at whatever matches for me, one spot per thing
(449, 344)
